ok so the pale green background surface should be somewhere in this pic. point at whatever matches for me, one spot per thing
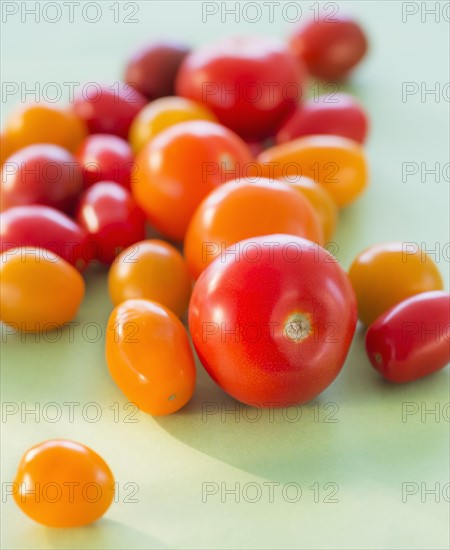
(369, 452)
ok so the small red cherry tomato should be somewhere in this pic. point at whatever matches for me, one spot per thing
(44, 227)
(109, 109)
(251, 84)
(105, 157)
(330, 47)
(41, 174)
(340, 115)
(111, 217)
(412, 339)
(153, 68)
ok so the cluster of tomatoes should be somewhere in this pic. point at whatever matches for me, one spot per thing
(217, 149)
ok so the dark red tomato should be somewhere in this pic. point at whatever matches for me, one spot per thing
(412, 339)
(111, 217)
(44, 227)
(338, 114)
(252, 84)
(109, 109)
(153, 68)
(272, 320)
(330, 47)
(105, 157)
(41, 174)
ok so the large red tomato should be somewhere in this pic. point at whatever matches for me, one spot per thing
(252, 84)
(272, 320)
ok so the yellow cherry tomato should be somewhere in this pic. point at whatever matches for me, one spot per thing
(153, 270)
(39, 291)
(386, 274)
(44, 123)
(62, 483)
(149, 356)
(162, 113)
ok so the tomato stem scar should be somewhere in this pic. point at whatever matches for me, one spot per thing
(297, 327)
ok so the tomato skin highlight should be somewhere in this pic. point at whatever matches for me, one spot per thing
(412, 339)
(271, 329)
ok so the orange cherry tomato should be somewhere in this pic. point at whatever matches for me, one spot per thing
(149, 356)
(153, 270)
(6, 149)
(181, 166)
(386, 274)
(38, 289)
(62, 483)
(161, 114)
(322, 203)
(335, 162)
(240, 210)
(44, 123)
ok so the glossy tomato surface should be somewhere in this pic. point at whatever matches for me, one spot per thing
(180, 167)
(39, 290)
(108, 109)
(412, 339)
(149, 356)
(387, 273)
(41, 174)
(239, 210)
(44, 227)
(108, 213)
(105, 157)
(62, 483)
(252, 84)
(273, 322)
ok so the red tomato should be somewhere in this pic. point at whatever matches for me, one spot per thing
(251, 84)
(41, 174)
(272, 320)
(153, 68)
(109, 109)
(44, 227)
(105, 157)
(340, 115)
(412, 339)
(111, 217)
(330, 47)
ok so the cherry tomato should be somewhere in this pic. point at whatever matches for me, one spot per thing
(163, 113)
(44, 123)
(109, 109)
(41, 174)
(6, 149)
(335, 162)
(330, 47)
(411, 340)
(180, 167)
(339, 114)
(153, 270)
(251, 84)
(272, 322)
(153, 68)
(44, 227)
(385, 274)
(110, 216)
(149, 356)
(62, 483)
(39, 290)
(322, 203)
(105, 157)
(239, 210)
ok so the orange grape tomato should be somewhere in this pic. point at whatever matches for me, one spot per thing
(149, 356)
(154, 270)
(162, 113)
(39, 290)
(242, 209)
(62, 483)
(385, 274)
(335, 162)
